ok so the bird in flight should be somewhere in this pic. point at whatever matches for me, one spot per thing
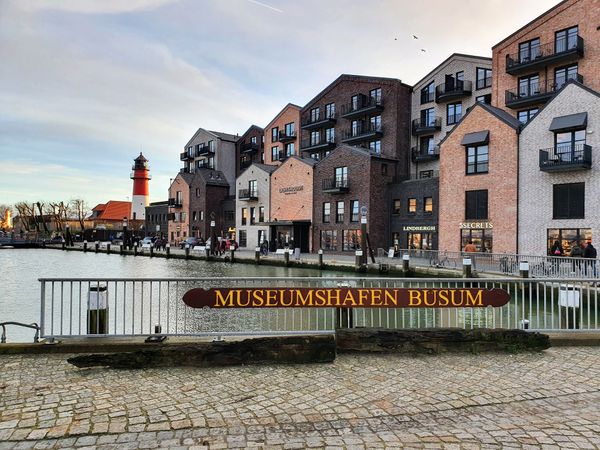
(423, 50)
(415, 37)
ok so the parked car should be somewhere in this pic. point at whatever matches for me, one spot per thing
(191, 241)
(55, 240)
(116, 242)
(147, 241)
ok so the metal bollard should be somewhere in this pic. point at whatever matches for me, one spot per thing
(85, 246)
(64, 245)
(232, 255)
(320, 258)
(524, 269)
(467, 268)
(358, 259)
(187, 251)
(151, 250)
(96, 246)
(135, 249)
(168, 249)
(257, 255)
(121, 249)
(207, 253)
(405, 263)
(286, 258)
(108, 249)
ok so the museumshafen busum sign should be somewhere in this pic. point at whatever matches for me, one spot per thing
(257, 297)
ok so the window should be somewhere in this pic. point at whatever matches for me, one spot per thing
(289, 149)
(487, 99)
(275, 153)
(290, 129)
(569, 145)
(339, 211)
(330, 135)
(427, 146)
(453, 113)
(350, 240)
(315, 138)
(244, 216)
(481, 239)
(253, 188)
(194, 216)
(565, 39)
(197, 192)
(252, 215)
(428, 204)
(568, 237)
(528, 51)
(274, 134)
(375, 146)
(315, 156)
(262, 157)
(202, 215)
(355, 128)
(354, 211)
(428, 117)
(375, 95)
(243, 238)
(261, 214)
(326, 212)
(384, 169)
(396, 206)
(329, 239)
(477, 159)
(314, 114)
(568, 201)
(527, 115)
(330, 111)
(211, 146)
(460, 76)
(426, 174)
(412, 205)
(484, 78)
(529, 86)
(341, 176)
(375, 123)
(179, 198)
(354, 103)
(564, 74)
(253, 139)
(476, 205)
(428, 93)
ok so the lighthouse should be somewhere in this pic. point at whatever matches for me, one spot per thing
(140, 177)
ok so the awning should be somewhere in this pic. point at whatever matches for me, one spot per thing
(570, 122)
(479, 137)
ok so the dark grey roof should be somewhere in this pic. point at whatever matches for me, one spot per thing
(570, 122)
(309, 161)
(453, 55)
(252, 127)
(479, 137)
(164, 202)
(212, 177)
(266, 167)
(225, 136)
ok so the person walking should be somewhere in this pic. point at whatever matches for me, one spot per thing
(556, 249)
(576, 252)
(470, 247)
(591, 253)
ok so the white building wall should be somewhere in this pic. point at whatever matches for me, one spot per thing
(263, 179)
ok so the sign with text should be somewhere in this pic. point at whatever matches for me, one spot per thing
(476, 225)
(345, 297)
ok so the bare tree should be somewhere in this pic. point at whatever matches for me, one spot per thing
(27, 215)
(40, 207)
(80, 210)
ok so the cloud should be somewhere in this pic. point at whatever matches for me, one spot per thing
(93, 6)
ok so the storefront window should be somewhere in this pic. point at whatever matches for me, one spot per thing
(482, 239)
(420, 241)
(568, 238)
(329, 239)
(243, 239)
(351, 239)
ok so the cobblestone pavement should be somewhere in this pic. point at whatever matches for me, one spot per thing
(542, 400)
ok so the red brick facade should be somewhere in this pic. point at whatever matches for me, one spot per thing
(246, 152)
(289, 114)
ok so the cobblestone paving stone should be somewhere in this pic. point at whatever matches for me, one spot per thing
(542, 400)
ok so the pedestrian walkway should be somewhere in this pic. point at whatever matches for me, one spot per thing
(360, 401)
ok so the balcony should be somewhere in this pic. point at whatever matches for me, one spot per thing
(185, 156)
(250, 147)
(365, 105)
(535, 93)
(322, 143)
(566, 158)
(427, 125)
(245, 164)
(284, 137)
(427, 97)
(247, 194)
(425, 154)
(559, 52)
(283, 155)
(451, 91)
(362, 134)
(204, 150)
(175, 203)
(336, 185)
(321, 120)
(205, 165)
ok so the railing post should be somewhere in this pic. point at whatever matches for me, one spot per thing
(405, 263)
(467, 268)
(64, 245)
(96, 246)
(85, 246)
(151, 250)
(207, 253)
(121, 249)
(43, 308)
(108, 248)
(524, 269)
(320, 258)
(232, 255)
(257, 255)
(168, 249)
(358, 261)
(135, 248)
(187, 251)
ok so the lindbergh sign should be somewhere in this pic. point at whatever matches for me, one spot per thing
(345, 298)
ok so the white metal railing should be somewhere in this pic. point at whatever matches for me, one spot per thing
(500, 263)
(133, 306)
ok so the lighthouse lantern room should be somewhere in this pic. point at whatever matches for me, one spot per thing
(140, 177)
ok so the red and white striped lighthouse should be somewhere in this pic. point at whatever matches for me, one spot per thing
(140, 177)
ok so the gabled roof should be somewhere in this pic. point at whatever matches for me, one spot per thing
(446, 61)
(284, 109)
(500, 114)
(528, 24)
(308, 161)
(557, 94)
(112, 210)
(212, 177)
(348, 77)
(359, 150)
(252, 127)
(266, 167)
(217, 134)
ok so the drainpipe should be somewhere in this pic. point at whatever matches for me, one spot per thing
(518, 186)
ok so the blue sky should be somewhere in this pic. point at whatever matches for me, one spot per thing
(86, 84)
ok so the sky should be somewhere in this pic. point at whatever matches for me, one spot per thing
(85, 85)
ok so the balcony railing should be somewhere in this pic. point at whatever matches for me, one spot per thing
(283, 155)
(247, 194)
(250, 147)
(204, 150)
(427, 125)
(450, 91)
(565, 158)
(427, 97)
(184, 156)
(336, 185)
(560, 51)
(536, 93)
(205, 165)
(321, 120)
(364, 105)
(286, 137)
(245, 164)
(425, 154)
(175, 203)
(186, 170)
(362, 134)
(323, 142)
(484, 83)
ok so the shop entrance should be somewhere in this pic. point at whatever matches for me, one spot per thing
(420, 240)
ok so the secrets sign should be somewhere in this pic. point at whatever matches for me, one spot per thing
(345, 298)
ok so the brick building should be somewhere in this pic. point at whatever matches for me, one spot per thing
(346, 180)
(291, 211)
(282, 135)
(559, 178)
(478, 182)
(249, 149)
(535, 61)
(157, 223)
(252, 205)
(370, 112)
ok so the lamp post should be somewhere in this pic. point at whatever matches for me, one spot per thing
(125, 236)
(68, 238)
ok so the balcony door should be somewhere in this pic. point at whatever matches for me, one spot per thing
(341, 176)
(529, 51)
(569, 145)
(428, 117)
(565, 39)
(529, 86)
(564, 74)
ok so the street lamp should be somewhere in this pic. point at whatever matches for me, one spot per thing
(125, 237)
(69, 241)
